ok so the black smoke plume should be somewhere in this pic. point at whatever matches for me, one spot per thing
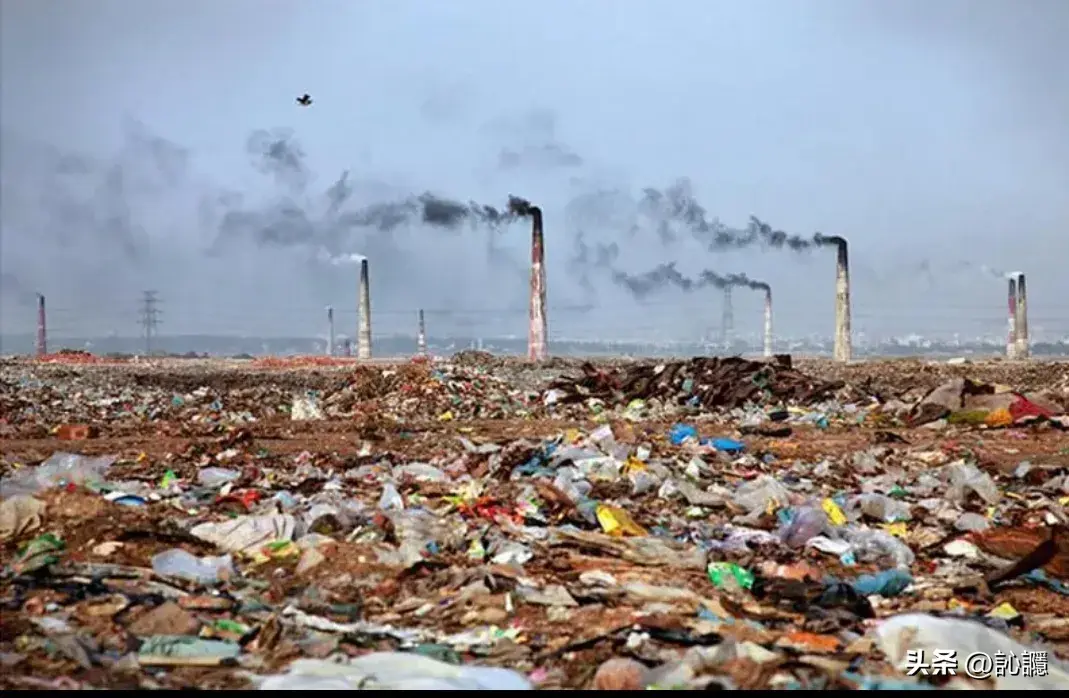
(326, 222)
(667, 276)
(677, 205)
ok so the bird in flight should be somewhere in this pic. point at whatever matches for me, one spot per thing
(305, 100)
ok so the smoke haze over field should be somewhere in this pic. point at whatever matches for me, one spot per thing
(158, 146)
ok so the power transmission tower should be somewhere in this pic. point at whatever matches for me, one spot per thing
(150, 318)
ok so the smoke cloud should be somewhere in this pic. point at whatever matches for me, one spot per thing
(677, 204)
(325, 221)
(667, 276)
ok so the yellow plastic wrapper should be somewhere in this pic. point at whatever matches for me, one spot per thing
(835, 514)
(633, 465)
(999, 418)
(897, 529)
(277, 550)
(1004, 611)
(617, 522)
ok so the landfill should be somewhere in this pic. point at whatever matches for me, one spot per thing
(481, 523)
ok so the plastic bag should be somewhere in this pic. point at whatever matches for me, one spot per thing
(804, 524)
(680, 433)
(971, 521)
(886, 583)
(394, 671)
(19, 515)
(247, 534)
(905, 634)
(761, 494)
(59, 469)
(966, 477)
(879, 507)
(216, 477)
(875, 546)
(420, 533)
(179, 563)
(391, 498)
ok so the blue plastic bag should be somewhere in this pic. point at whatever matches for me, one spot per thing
(681, 432)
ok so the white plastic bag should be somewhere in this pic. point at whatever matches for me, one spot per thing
(393, 671)
(900, 635)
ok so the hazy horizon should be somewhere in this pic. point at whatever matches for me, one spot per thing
(159, 146)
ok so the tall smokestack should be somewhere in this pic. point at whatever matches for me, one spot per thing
(1011, 337)
(727, 320)
(844, 349)
(42, 327)
(1023, 348)
(363, 333)
(768, 322)
(538, 330)
(330, 331)
(421, 337)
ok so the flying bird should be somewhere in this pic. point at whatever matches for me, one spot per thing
(305, 100)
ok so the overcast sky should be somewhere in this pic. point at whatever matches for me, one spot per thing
(933, 138)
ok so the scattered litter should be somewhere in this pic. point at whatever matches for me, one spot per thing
(314, 523)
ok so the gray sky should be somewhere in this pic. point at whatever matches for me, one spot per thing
(934, 139)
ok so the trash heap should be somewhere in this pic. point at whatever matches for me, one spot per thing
(34, 401)
(963, 401)
(707, 382)
(480, 553)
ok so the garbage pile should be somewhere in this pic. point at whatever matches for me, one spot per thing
(479, 553)
(964, 401)
(33, 401)
(709, 382)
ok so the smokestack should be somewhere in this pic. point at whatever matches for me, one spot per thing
(843, 342)
(421, 337)
(42, 328)
(1023, 348)
(1011, 337)
(363, 332)
(768, 322)
(538, 329)
(727, 320)
(330, 331)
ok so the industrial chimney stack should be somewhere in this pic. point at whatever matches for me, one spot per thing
(42, 327)
(1024, 349)
(727, 321)
(363, 335)
(421, 337)
(330, 331)
(768, 322)
(537, 333)
(843, 341)
(1011, 336)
